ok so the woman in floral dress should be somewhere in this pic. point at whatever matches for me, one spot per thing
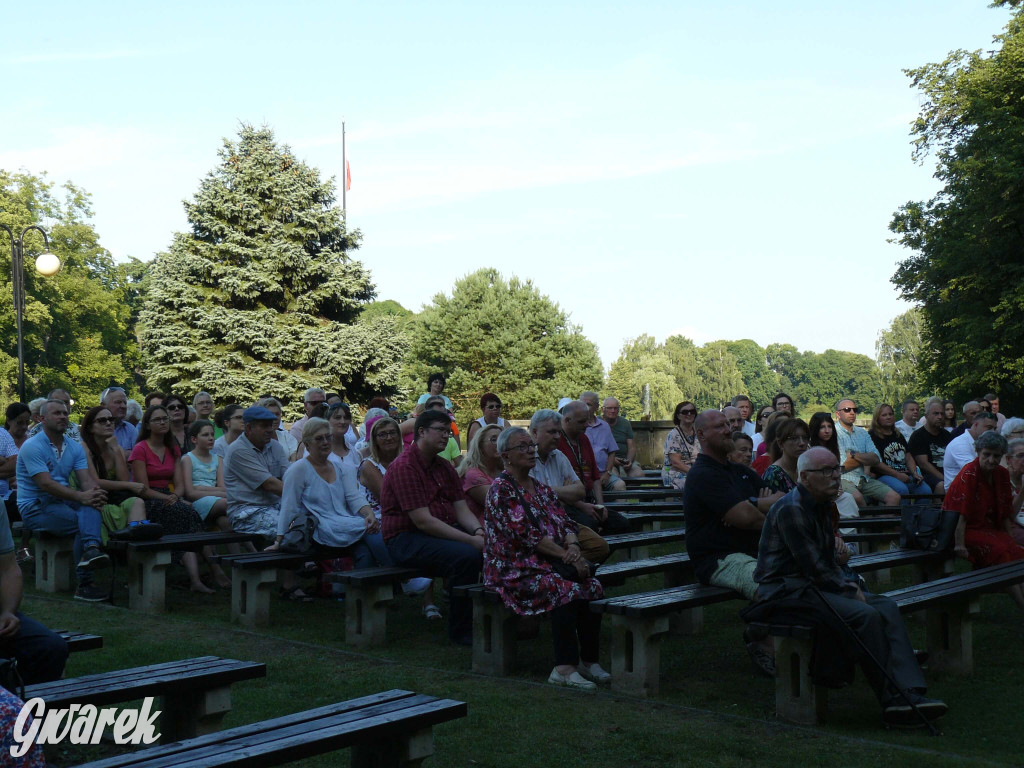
(526, 529)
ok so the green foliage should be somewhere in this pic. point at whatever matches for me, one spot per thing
(503, 337)
(261, 296)
(899, 349)
(77, 324)
(760, 381)
(641, 362)
(966, 271)
(813, 379)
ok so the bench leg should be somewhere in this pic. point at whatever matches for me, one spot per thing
(797, 698)
(250, 595)
(690, 622)
(495, 632)
(950, 640)
(366, 614)
(55, 563)
(636, 654)
(395, 752)
(188, 715)
(147, 580)
(932, 571)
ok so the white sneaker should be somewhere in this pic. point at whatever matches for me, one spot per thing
(572, 680)
(594, 673)
(416, 586)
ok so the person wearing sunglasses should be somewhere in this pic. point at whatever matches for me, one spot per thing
(177, 412)
(109, 469)
(857, 454)
(426, 522)
(681, 447)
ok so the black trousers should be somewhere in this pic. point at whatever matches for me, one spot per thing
(575, 633)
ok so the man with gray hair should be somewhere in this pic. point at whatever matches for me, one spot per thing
(72, 431)
(625, 457)
(971, 409)
(603, 442)
(734, 418)
(554, 470)
(115, 400)
(311, 401)
(800, 560)
(576, 447)
(960, 452)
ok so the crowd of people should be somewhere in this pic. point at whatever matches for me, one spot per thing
(764, 495)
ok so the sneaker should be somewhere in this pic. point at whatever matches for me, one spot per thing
(573, 680)
(90, 593)
(93, 557)
(763, 660)
(417, 586)
(594, 673)
(899, 712)
(25, 555)
(431, 612)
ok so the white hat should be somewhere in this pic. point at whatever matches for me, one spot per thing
(563, 402)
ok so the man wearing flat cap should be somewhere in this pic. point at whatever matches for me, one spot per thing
(254, 466)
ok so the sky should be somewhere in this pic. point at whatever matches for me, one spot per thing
(719, 170)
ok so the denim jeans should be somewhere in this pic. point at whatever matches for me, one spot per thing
(368, 552)
(68, 518)
(456, 561)
(41, 653)
(903, 488)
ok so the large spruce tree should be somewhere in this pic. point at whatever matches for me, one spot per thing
(261, 296)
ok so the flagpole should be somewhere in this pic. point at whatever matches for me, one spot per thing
(344, 168)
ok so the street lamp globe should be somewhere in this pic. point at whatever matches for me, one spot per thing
(47, 264)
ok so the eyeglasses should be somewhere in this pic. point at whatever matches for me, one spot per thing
(333, 406)
(314, 402)
(524, 447)
(493, 407)
(848, 410)
(796, 439)
(442, 430)
(825, 471)
(103, 420)
(324, 438)
(389, 435)
(175, 407)
(687, 412)
(158, 420)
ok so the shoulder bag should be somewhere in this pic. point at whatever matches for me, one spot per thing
(928, 528)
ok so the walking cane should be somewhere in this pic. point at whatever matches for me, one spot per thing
(876, 662)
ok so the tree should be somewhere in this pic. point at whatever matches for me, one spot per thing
(760, 383)
(78, 324)
(686, 366)
(966, 271)
(644, 362)
(261, 296)
(898, 352)
(501, 336)
(720, 376)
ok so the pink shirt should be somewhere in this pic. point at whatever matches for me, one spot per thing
(160, 473)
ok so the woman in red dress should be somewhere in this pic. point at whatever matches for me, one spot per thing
(982, 495)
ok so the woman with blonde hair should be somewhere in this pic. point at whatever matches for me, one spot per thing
(480, 466)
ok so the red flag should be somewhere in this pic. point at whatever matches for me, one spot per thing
(348, 177)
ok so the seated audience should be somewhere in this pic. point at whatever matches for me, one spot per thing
(681, 447)
(72, 432)
(911, 419)
(425, 519)
(362, 446)
(177, 428)
(314, 485)
(490, 407)
(783, 402)
(116, 401)
(625, 464)
(311, 402)
(1015, 468)
(339, 415)
(993, 401)
(970, 409)
(743, 449)
(109, 470)
(452, 452)
(282, 435)
(156, 463)
(232, 423)
(481, 465)
(948, 415)
(12, 437)
(760, 422)
(823, 432)
(960, 451)
(746, 408)
(133, 413)
(792, 438)
(764, 458)
(576, 447)
(983, 496)
(47, 502)
(602, 441)
(734, 417)
(1012, 428)
(928, 445)
(527, 529)
(798, 548)
(154, 398)
(203, 405)
(897, 469)
(203, 477)
(858, 455)
(435, 388)
(253, 471)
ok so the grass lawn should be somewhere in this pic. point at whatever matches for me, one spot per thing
(713, 710)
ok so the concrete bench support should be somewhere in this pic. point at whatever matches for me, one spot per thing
(950, 639)
(366, 613)
(250, 595)
(402, 751)
(636, 653)
(495, 630)
(55, 563)
(147, 580)
(797, 698)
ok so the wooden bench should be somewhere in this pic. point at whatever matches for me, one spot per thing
(367, 594)
(254, 576)
(637, 543)
(648, 481)
(644, 494)
(948, 602)
(55, 562)
(651, 521)
(80, 641)
(675, 507)
(195, 693)
(148, 562)
(393, 728)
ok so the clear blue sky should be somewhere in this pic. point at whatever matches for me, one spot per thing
(722, 170)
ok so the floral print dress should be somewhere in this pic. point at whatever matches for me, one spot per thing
(526, 582)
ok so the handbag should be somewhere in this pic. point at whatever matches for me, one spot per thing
(298, 539)
(565, 570)
(928, 528)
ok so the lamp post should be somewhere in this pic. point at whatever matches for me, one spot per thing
(47, 265)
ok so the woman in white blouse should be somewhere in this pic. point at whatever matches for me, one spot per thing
(314, 485)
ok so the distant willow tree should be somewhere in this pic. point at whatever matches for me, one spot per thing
(501, 336)
(261, 295)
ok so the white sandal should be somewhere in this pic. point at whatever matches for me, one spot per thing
(431, 612)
